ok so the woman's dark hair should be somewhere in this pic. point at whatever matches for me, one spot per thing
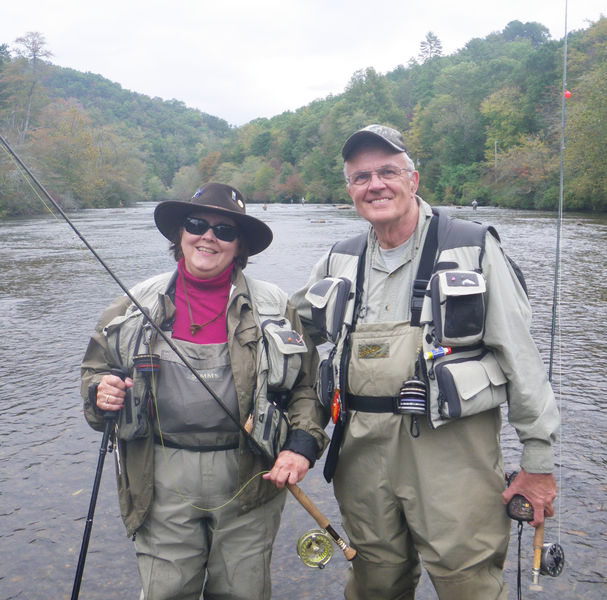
(241, 259)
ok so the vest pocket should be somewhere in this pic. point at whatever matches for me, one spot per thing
(458, 307)
(329, 298)
(284, 347)
(469, 386)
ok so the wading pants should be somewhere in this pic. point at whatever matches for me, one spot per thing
(182, 549)
(437, 497)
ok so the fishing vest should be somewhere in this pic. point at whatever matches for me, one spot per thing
(132, 340)
(462, 376)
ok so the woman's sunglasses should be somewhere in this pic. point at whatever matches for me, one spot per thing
(222, 231)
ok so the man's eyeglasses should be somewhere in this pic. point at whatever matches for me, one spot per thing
(384, 173)
(222, 231)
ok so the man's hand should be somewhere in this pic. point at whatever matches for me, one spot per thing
(289, 467)
(538, 488)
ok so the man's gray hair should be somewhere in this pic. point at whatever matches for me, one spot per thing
(408, 161)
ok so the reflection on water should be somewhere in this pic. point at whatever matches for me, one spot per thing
(52, 291)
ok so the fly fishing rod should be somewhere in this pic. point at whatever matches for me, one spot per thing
(548, 559)
(307, 504)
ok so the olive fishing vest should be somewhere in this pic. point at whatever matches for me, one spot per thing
(136, 348)
(462, 376)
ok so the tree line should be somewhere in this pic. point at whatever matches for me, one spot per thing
(483, 123)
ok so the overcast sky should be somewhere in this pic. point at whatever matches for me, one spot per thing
(243, 59)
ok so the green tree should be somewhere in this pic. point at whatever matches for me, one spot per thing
(31, 47)
(536, 33)
(430, 48)
(185, 183)
(526, 176)
(505, 122)
(586, 151)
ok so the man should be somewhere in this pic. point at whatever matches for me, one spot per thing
(418, 472)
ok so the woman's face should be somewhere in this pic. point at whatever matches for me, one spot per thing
(205, 255)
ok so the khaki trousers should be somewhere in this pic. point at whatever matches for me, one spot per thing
(182, 549)
(436, 497)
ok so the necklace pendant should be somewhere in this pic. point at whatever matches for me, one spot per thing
(194, 328)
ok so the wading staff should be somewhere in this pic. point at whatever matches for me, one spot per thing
(293, 487)
(110, 420)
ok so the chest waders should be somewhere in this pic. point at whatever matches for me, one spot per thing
(187, 416)
(458, 375)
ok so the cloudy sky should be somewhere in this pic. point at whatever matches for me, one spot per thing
(243, 59)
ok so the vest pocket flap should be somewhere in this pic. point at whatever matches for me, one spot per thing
(469, 378)
(269, 309)
(493, 370)
(470, 385)
(461, 283)
(472, 376)
(329, 298)
(286, 340)
(319, 294)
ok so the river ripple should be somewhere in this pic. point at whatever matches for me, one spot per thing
(52, 291)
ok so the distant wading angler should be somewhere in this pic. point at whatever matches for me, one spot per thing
(430, 331)
(180, 459)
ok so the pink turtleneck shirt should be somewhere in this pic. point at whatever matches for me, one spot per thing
(208, 298)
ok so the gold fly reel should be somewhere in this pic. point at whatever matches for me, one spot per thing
(314, 548)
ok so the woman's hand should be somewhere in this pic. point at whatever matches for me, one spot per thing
(289, 467)
(111, 392)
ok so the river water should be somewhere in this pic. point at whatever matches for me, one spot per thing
(52, 291)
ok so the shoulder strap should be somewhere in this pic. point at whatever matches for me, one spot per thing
(453, 232)
(355, 246)
(424, 271)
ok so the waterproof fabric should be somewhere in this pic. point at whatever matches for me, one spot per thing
(135, 471)
(382, 357)
(436, 497)
(403, 498)
(187, 415)
(180, 544)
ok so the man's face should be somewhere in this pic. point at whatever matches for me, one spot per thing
(384, 203)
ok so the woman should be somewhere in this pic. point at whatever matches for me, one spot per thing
(181, 457)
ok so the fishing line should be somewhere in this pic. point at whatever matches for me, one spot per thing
(27, 180)
(20, 168)
(556, 298)
(23, 168)
(136, 303)
(301, 497)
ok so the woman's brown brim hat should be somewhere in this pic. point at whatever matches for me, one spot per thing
(217, 198)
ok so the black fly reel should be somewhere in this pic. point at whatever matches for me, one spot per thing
(553, 560)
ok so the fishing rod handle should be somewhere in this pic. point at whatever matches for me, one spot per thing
(538, 544)
(322, 521)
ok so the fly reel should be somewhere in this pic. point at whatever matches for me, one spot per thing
(315, 548)
(552, 560)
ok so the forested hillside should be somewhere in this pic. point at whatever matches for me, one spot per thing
(483, 123)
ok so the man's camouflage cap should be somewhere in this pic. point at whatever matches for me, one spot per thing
(387, 135)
